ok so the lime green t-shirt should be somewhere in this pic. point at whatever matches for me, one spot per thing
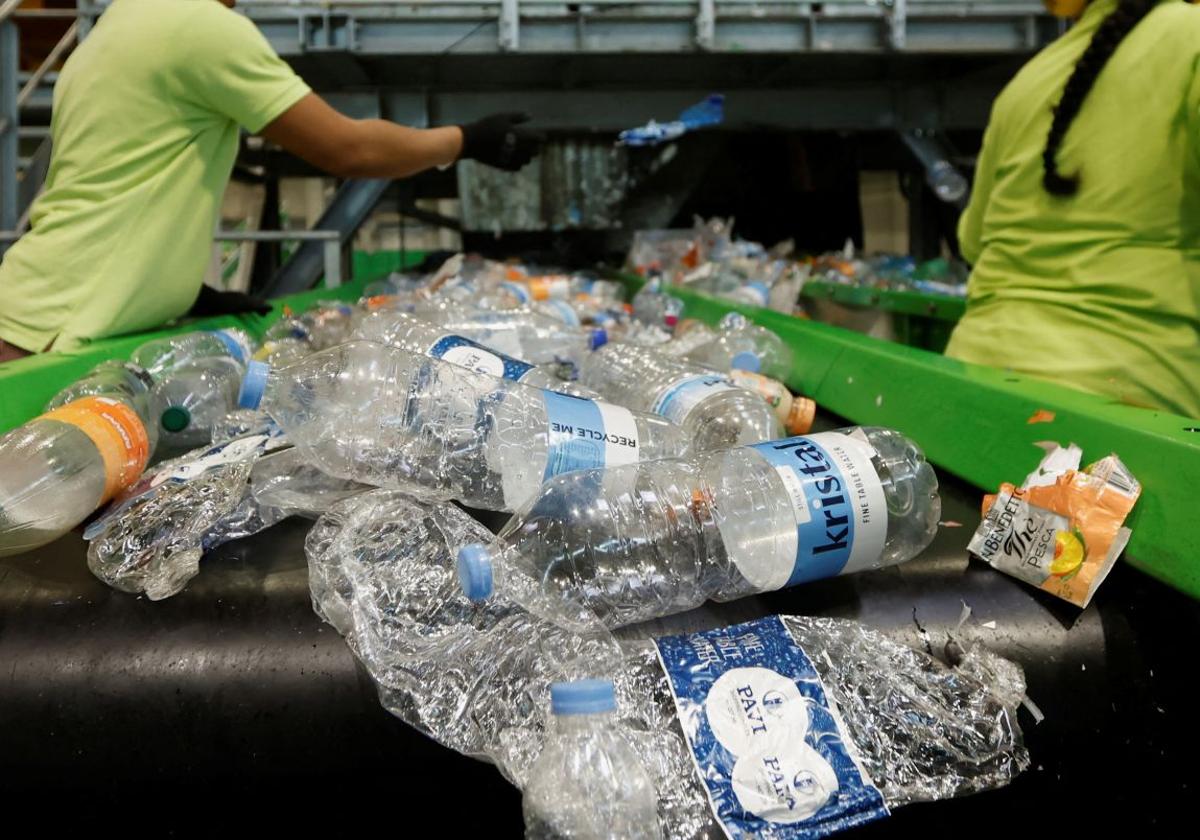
(1100, 291)
(145, 129)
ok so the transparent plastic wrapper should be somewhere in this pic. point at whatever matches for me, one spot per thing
(382, 571)
(635, 543)
(154, 536)
(383, 416)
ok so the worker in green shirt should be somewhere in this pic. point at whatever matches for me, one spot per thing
(146, 121)
(1084, 224)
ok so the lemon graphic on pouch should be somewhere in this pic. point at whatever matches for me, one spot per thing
(1069, 552)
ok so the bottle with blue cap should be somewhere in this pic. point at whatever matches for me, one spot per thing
(390, 418)
(712, 411)
(588, 783)
(194, 397)
(639, 542)
(408, 332)
(161, 355)
(740, 344)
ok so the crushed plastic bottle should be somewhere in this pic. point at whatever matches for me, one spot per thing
(59, 467)
(670, 534)
(390, 418)
(740, 344)
(713, 412)
(165, 354)
(588, 783)
(152, 539)
(282, 351)
(193, 397)
(408, 332)
(117, 380)
(381, 571)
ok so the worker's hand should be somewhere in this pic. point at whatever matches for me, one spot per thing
(213, 302)
(502, 141)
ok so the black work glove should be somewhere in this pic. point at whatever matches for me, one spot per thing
(502, 141)
(213, 302)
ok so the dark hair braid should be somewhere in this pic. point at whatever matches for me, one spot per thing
(1105, 40)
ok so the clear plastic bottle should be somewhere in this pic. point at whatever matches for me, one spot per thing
(282, 351)
(672, 534)
(163, 354)
(521, 333)
(743, 345)
(654, 307)
(390, 418)
(58, 468)
(117, 380)
(193, 398)
(588, 782)
(328, 324)
(714, 413)
(690, 335)
(408, 332)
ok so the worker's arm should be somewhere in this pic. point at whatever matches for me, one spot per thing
(350, 148)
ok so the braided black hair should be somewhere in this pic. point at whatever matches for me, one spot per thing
(1108, 36)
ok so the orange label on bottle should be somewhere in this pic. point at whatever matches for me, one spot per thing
(117, 432)
(799, 420)
(551, 285)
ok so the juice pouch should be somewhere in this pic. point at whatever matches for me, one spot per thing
(1062, 536)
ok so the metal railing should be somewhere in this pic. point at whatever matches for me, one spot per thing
(331, 239)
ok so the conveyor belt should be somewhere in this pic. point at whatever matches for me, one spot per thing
(234, 695)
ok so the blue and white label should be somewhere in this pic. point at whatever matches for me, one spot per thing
(466, 353)
(583, 434)
(679, 398)
(839, 509)
(766, 738)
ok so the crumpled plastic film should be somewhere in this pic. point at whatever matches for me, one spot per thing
(154, 544)
(382, 571)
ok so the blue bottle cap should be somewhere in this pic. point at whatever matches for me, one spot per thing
(583, 697)
(746, 361)
(475, 571)
(599, 338)
(254, 383)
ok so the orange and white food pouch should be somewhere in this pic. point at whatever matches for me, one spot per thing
(1063, 530)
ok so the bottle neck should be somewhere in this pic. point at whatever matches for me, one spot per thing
(570, 724)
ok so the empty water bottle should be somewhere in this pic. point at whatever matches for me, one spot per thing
(588, 783)
(654, 307)
(163, 354)
(193, 398)
(743, 345)
(796, 413)
(390, 418)
(713, 412)
(123, 381)
(690, 335)
(521, 333)
(58, 468)
(408, 332)
(668, 535)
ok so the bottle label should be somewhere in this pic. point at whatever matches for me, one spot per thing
(769, 745)
(679, 398)
(838, 502)
(565, 313)
(234, 343)
(464, 352)
(118, 434)
(585, 433)
(550, 286)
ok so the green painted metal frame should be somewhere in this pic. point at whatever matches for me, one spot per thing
(902, 302)
(973, 421)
